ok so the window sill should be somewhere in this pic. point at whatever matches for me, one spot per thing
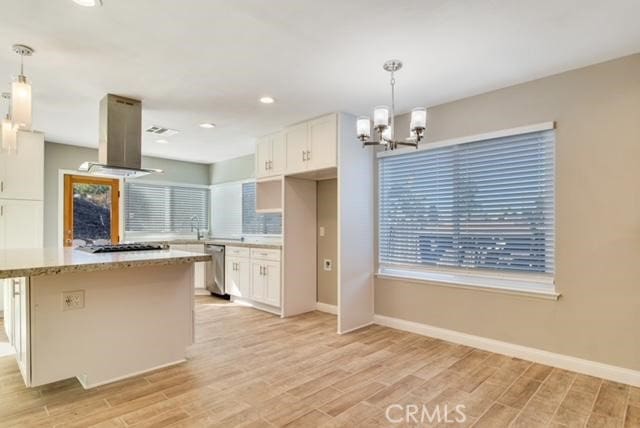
(511, 286)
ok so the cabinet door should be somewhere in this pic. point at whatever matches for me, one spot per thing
(8, 308)
(272, 279)
(21, 224)
(258, 283)
(263, 157)
(231, 277)
(23, 171)
(323, 140)
(296, 146)
(244, 277)
(277, 154)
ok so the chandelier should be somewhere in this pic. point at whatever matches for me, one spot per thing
(383, 118)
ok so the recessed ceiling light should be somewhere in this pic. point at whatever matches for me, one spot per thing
(207, 125)
(162, 142)
(88, 3)
(267, 100)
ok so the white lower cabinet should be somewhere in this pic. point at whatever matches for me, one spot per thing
(238, 277)
(16, 322)
(253, 275)
(265, 282)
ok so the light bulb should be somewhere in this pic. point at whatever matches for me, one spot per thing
(21, 103)
(381, 116)
(418, 119)
(364, 127)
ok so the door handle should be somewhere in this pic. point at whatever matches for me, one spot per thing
(304, 156)
(308, 155)
(270, 164)
(2, 186)
(266, 165)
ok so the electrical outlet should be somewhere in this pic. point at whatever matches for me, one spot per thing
(321, 231)
(72, 300)
(328, 265)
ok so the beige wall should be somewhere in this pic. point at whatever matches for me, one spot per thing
(597, 113)
(62, 156)
(327, 196)
(232, 170)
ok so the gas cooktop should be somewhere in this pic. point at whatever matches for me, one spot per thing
(117, 248)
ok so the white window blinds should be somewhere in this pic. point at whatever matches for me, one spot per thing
(485, 205)
(161, 208)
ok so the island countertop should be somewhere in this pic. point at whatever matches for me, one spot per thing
(53, 261)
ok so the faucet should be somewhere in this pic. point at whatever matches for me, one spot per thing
(199, 234)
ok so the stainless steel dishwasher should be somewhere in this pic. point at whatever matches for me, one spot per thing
(215, 269)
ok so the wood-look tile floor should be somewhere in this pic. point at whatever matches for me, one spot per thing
(249, 368)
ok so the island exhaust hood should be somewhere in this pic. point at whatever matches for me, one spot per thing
(120, 145)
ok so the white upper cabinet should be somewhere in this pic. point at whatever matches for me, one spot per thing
(311, 145)
(323, 139)
(296, 140)
(270, 156)
(22, 173)
(21, 224)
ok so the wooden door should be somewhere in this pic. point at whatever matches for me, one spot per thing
(258, 292)
(91, 209)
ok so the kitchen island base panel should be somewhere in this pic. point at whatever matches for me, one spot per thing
(133, 321)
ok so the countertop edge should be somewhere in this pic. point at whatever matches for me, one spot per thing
(95, 267)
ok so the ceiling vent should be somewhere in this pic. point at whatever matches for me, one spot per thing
(159, 130)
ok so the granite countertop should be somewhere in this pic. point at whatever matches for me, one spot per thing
(222, 241)
(52, 261)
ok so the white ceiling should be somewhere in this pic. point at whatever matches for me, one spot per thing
(193, 61)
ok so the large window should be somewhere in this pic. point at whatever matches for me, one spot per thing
(477, 207)
(162, 208)
(234, 212)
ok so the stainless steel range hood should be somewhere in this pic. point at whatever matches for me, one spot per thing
(119, 149)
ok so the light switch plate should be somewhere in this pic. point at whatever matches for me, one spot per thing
(72, 300)
(328, 265)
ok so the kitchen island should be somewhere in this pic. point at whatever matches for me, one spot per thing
(97, 317)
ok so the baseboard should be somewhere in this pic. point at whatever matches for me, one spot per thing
(357, 328)
(325, 307)
(86, 385)
(592, 368)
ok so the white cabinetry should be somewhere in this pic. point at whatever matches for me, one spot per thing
(16, 321)
(238, 276)
(270, 156)
(311, 145)
(265, 276)
(21, 224)
(22, 173)
(253, 274)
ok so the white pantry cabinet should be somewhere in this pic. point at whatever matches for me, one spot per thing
(22, 173)
(312, 145)
(270, 155)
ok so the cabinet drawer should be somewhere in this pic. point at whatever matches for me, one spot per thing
(238, 251)
(265, 254)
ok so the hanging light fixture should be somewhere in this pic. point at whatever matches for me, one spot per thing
(9, 133)
(383, 118)
(21, 92)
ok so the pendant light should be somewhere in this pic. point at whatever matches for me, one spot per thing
(21, 92)
(383, 118)
(8, 132)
